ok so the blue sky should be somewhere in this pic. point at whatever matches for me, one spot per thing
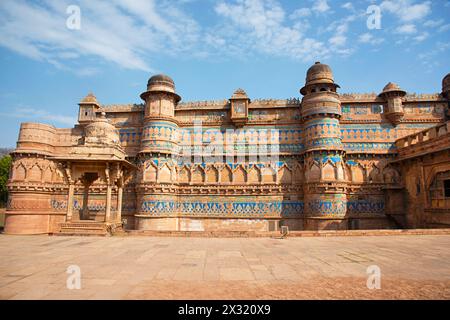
(209, 48)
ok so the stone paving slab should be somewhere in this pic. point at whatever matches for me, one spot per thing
(412, 266)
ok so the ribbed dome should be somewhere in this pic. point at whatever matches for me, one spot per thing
(319, 73)
(101, 132)
(161, 79)
(160, 83)
(392, 87)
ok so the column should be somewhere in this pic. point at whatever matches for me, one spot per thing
(68, 171)
(119, 202)
(108, 204)
(70, 202)
(85, 213)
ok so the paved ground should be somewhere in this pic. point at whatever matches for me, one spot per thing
(34, 267)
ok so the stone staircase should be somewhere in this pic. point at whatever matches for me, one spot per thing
(87, 228)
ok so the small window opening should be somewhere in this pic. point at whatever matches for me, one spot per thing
(447, 188)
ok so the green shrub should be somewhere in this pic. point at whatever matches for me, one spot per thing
(5, 165)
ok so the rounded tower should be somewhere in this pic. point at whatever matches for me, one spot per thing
(393, 95)
(324, 192)
(157, 158)
(160, 127)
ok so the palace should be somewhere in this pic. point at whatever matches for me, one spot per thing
(326, 161)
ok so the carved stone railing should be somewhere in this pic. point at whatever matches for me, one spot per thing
(423, 136)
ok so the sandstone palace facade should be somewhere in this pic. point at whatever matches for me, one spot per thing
(326, 161)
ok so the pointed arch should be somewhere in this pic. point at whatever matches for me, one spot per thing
(150, 172)
(284, 175)
(212, 174)
(240, 175)
(164, 174)
(35, 173)
(185, 175)
(328, 171)
(297, 174)
(47, 175)
(20, 172)
(198, 175)
(226, 174)
(268, 175)
(254, 175)
(314, 172)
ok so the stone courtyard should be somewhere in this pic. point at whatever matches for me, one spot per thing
(412, 267)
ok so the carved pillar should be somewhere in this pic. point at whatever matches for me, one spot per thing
(108, 194)
(68, 170)
(120, 180)
(119, 202)
(85, 213)
(108, 204)
(70, 201)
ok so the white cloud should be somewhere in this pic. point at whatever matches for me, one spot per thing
(338, 40)
(348, 6)
(339, 30)
(421, 37)
(300, 13)
(320, 6)
(123, 32)
(407, 10)
(260, 25)
(406, 29)
(368, 38)
(433, 23)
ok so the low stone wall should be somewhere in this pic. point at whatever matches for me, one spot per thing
(294, 234)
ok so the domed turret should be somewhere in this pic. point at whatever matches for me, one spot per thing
(102, 132)
(317, 75)
(393, 94)
(392, 88)
(319, 72)
(161, 83)
(159, 132)
(320, 96)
